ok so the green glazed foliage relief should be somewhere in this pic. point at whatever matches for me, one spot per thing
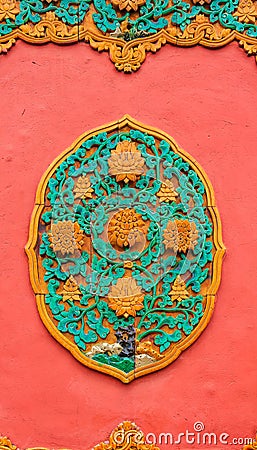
(152, 15)
(128, 29)
(126, 248)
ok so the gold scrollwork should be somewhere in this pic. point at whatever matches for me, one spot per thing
(128, 55)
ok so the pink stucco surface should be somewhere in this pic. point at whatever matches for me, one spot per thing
(207, 101)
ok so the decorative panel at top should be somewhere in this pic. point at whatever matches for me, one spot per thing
(128, 29)
(125, 249)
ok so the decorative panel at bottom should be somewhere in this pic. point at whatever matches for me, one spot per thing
(128, 436)
(125, 249)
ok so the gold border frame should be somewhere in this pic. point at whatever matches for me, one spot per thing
(129, 56)
(41, 291)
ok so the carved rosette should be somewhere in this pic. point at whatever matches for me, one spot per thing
(125, 249)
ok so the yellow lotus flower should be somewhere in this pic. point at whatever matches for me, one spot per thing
(246, 11)
(8, 9)
(126, 162)
(126, 297)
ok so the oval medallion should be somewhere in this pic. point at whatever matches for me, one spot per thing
(125, 249)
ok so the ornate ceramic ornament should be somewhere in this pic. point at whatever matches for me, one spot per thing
(125, 249)
(128, 29)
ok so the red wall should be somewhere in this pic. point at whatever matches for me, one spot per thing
(207, 101)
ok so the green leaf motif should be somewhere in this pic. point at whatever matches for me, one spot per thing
(86, 297)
